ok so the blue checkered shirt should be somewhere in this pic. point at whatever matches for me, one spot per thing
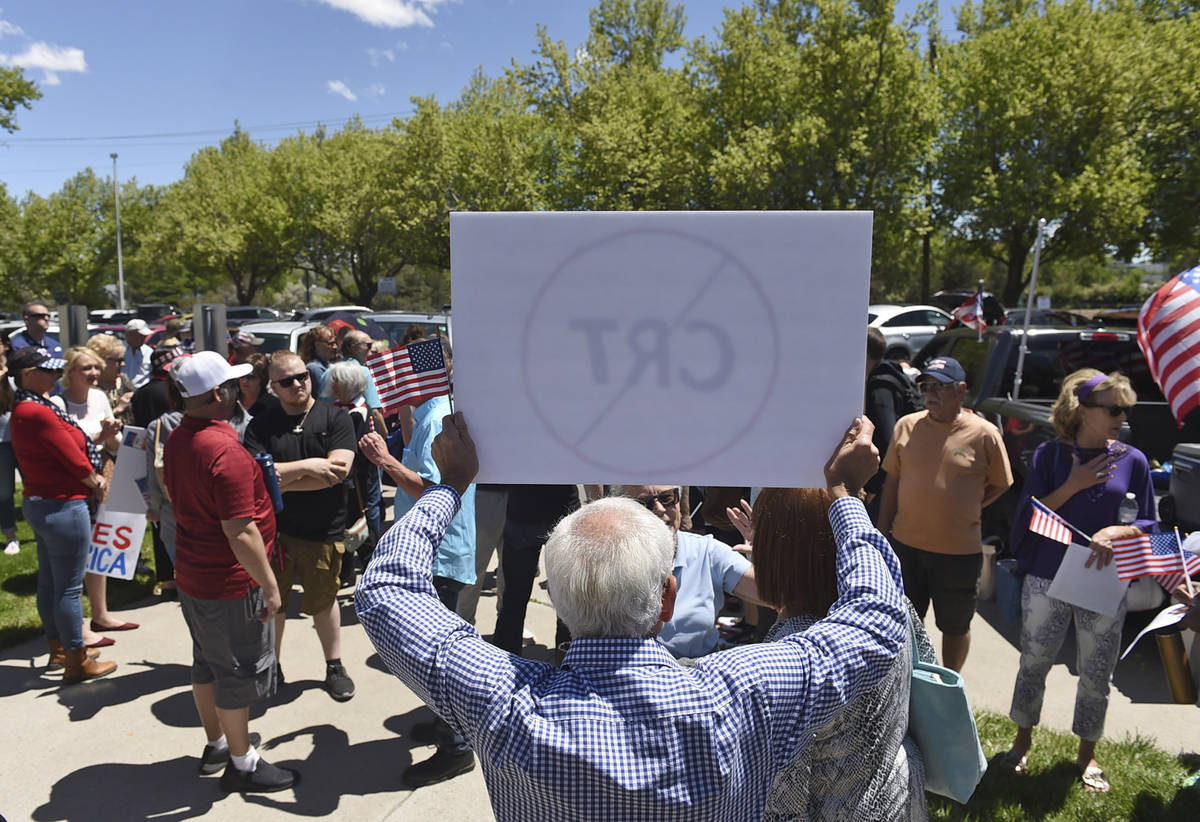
(621, 730)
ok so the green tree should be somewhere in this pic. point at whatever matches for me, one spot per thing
(1042, 122)
(11, 256)
(822, 104)
(226, 220)
(15, 90)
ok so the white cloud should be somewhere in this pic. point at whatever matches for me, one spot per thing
(376, 90)
(338, 87)
(392, 14)
(375, 55)
(401, 45)
(50, 58)
(8, 28)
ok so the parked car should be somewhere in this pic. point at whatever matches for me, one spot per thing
(326, 311)
(1117, 318)
(235, 315)
(906, 327)
(156, 312)
(110, 316)
(1045, 316)
(280, 334)
(395, 323)
(952, 298)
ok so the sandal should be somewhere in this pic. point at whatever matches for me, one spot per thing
(1094, 780)
(1017, 761)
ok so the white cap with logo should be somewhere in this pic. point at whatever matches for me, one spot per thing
(200, 373)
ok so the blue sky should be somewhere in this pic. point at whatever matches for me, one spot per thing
(154, 80)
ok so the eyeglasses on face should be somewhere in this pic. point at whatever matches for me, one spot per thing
(286, 382)
(930, 386)
(38, 315)
(1113, 410)
(666, 499)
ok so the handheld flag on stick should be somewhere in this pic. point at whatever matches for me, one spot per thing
(970, 313)
(1157, 554)
(409, 374)
(1188, 561)
(1050, 525)
(1169, 336)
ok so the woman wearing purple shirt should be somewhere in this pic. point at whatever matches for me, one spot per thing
(1083, 476)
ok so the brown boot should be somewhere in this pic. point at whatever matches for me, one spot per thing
(58, 655)
(80, 667)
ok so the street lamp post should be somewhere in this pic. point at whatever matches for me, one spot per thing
(120, 267)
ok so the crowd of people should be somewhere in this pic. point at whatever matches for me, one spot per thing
(263, 473)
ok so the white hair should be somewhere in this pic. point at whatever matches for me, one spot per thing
(347, 374)
(606, 565)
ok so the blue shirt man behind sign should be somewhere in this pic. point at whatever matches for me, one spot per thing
(622, 730)
(37, 320)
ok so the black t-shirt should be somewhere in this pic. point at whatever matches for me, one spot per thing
(314, 515)
(150, 402)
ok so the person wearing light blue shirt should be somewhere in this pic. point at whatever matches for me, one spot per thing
(706, 570)
(621, 730)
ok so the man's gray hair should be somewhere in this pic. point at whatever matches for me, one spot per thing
(349, 375)
(606, 565)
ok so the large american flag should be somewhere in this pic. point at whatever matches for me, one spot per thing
(409, 374)
(1156, 554)
(1049, 524)
(1169, 336)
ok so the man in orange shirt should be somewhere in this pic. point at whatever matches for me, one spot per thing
(945, 464)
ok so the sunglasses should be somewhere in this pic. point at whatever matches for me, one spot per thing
(930, 387)
(1113, 410)
(287, 382)
(39, 316)
(666, 499)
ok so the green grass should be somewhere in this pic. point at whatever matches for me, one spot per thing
(1145, 781)
(19, 619)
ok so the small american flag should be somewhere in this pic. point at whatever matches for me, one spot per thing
(970, 313)
(1049, 524)
(1169, 336)
(1156, 554)
(409, 375)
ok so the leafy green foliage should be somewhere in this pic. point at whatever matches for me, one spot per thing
(15, 90)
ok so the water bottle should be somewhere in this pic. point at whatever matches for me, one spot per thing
(271, 479)
(1128, 510)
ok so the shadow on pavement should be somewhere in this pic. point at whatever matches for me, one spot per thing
(86, 699)
(168, 791)
(179, 710)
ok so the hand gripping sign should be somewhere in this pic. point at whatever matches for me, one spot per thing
(708, 348)
(120, 524)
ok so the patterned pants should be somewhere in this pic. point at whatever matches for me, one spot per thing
(1044, 623)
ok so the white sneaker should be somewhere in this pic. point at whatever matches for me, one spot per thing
(13, 546)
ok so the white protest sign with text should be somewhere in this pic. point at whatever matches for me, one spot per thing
(116, 543)
(706, 348)
(126, 491)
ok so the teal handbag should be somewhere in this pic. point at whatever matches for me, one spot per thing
(941, 722)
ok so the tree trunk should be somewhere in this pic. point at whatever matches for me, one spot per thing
(1014, 281)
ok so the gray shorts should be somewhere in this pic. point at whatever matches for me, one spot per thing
(231, 649)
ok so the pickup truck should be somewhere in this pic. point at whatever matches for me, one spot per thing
(1025, 423)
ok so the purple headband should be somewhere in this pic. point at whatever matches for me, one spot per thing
(1090, 386)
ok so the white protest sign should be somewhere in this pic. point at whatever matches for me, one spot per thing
(127, 489)
(708, 348)
(1096, 589)
(116, 543)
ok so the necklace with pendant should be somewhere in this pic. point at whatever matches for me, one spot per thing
(299, 429)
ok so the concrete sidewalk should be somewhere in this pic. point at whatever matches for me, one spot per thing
(126, 747)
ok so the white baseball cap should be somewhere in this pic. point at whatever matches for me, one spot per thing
(139, 326)
(200, 373)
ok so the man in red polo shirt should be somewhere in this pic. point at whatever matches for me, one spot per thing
(222, 566)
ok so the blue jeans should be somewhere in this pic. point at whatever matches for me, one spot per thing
(64, 532)
(8, 488)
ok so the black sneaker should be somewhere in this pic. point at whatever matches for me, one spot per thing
(338, 683)
(265, 778)
(213, 760)
(447, 763)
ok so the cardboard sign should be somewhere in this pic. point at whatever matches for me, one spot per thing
(116, 543)
(708, 348)
(126, 491)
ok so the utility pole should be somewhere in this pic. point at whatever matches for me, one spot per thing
(120, 267)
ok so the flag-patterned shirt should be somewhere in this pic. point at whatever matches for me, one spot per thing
(621, 730)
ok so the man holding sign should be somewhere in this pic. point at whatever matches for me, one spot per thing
(226, 529)
(621, 730)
